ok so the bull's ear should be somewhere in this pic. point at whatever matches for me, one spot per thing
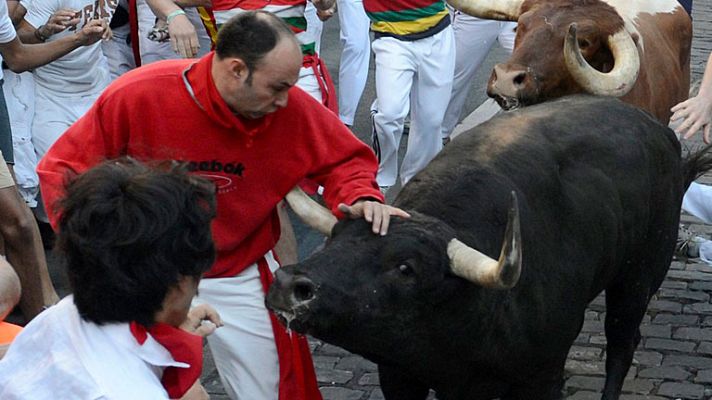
(589, 40)
(619, 80)
(312, 213)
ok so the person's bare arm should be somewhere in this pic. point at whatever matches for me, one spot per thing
(696, 112)
(184, 38)
(21, 57)
(16, 11)
(324, 5)
(59, 21)
(202, 320)
(325, 9)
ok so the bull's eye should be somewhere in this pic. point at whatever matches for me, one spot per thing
(405, 269)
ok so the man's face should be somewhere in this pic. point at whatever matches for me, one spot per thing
(177, 301)
(264, 89)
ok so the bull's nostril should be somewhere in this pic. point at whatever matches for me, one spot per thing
(303, 291)
(520, 78)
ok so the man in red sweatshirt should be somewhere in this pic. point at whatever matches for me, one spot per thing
(237, 118)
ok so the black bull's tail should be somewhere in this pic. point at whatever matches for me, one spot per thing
(696, 164)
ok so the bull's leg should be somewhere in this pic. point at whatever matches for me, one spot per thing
(398, 385)
(549, 388)
(626, 303)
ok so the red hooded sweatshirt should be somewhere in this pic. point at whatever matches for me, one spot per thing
(172, 110)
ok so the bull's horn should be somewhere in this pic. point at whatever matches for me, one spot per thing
(505, 10)
(615, 83)
(480, 269)
(312, 213)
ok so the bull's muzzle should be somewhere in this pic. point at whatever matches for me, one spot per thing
(290, 295)
(508, 84)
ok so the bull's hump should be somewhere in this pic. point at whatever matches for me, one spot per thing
(630, 10)
(508, 130)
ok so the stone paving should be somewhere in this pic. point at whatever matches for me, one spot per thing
(673, 360)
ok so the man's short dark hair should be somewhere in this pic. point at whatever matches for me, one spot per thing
(128, 232)
(250, 36)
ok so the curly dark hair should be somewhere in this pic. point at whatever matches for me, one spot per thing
(128, 232)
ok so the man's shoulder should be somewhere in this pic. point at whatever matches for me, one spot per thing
(156, 77)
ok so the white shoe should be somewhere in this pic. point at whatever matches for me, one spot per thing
(688, 244)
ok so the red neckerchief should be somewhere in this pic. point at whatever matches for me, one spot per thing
(297, 379)
(201, 86)
(183, 346)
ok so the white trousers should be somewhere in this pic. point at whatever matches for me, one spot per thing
(698, 201)
(308, 82)
(118, 52)
(19, 91)
(474, 38)
(415, 75)
(355, 57)
(57, 114)
(244, 349)
(314, 25)
(154, 51)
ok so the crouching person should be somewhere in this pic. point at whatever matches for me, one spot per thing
(135, 240)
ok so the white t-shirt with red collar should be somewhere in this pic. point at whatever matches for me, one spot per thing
(61, 356)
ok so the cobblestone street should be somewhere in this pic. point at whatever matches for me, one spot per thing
(673, 361)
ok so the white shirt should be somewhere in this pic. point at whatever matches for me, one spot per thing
(61, 356)
(84, 71)
(7, 30)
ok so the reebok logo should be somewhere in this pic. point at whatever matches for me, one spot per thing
(234, 168)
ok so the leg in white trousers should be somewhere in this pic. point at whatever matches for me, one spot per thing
(355, 57)
(314, 25)
(474, 38)
(19, 90)
(244, 349)
(57, 114)
(698, 201)
(308, 83)
(118, 52)
(416, 73)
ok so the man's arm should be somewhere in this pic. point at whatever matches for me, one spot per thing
(57, 22)
(21, 57)
(697, 111)
(184, 38)
(346, 168)
(16, 11)
(324, 5)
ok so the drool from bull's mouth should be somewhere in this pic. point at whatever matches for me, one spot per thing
(286, 318)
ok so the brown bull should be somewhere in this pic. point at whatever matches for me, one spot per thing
(638, 50)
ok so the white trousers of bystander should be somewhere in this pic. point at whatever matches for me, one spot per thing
(417, 76)
(355, 57)
(474, 38)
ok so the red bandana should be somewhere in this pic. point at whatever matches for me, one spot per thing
(183, 346)
(297, 380)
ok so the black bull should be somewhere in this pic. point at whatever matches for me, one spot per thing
(599, 184)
